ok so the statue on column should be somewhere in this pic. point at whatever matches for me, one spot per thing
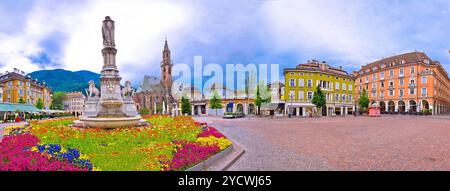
(108, 32)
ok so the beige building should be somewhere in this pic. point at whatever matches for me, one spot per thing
(74, 103)
(20, 88)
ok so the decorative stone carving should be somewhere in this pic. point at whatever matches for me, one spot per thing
(92, 90)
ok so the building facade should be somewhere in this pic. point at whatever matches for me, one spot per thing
(74, 103)
(19, 87)
(410, 82)
(155, 94)
(301, 83)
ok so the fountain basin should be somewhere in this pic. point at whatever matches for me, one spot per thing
(108, 123)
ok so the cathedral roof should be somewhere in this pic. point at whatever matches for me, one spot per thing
(150, 84)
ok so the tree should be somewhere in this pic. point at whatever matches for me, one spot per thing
(216, 101)
(363, 100)
(262, 95)
(319, 99)
(186, 106)
(21, 100)
(58, 101)
(39, 104)
(144, 111)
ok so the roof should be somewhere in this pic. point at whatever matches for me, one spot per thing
(15, 107)
(150, 84)
(322, 67)
(410, 57)
(269, 106)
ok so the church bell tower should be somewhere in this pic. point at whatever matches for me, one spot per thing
(166, 70)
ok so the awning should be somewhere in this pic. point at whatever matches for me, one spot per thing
(14, 107)
(269, 106)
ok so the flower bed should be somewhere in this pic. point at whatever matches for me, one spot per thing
(167, 144)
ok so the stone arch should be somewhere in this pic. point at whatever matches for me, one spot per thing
(240, 108)
(401, 106)
(382, 106)
(391, 106)
(425, 104)
(412, 106)
(251, 109)
(229, 107)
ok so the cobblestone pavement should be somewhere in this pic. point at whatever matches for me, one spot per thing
(340, 143)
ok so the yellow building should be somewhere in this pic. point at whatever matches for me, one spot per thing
(301, 83)
(20, 88)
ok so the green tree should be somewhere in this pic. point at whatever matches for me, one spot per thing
(216, 101)
(186, 107)
(262, 95)
(21, 100)
(58, 100)
(363, 100)
(144, 111)
(319, 99)
(39, 104)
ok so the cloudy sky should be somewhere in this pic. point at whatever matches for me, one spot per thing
(44, 34)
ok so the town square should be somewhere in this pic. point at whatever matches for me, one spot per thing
(102, 91)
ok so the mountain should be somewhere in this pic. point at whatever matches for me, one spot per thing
(66, 81)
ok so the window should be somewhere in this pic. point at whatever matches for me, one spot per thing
(337, 85)
(391, 73)
(382, 76)
(382, 84)
(291, 95)
(349, 98)
(402, 72)
(412, 91)
(301, 95)
(367, 79)
(400, 92)
(350, 87)
(411, 80)
(374, 94)
(310, 96)
(9, 84)
(391, 92)
(336, 98)
(374, 77)
(301, 82)
(401, 82)
(391, 83)
(382, 94)
(292, 82)
(309, 83)
(424, 91)
(412, 69)
(374, 85)
(344, 87)
(344, 97)
(424, 79)
(292, 73)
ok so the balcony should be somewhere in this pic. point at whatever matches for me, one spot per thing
(412, 85)
(423, 73)
(401, 75)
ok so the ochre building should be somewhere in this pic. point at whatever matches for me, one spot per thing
(406, 83)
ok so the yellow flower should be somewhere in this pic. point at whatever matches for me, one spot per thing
(222, 143)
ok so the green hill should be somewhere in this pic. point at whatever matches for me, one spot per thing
(66, 81)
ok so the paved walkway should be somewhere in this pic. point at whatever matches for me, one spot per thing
(341, 143)
(261, 155)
